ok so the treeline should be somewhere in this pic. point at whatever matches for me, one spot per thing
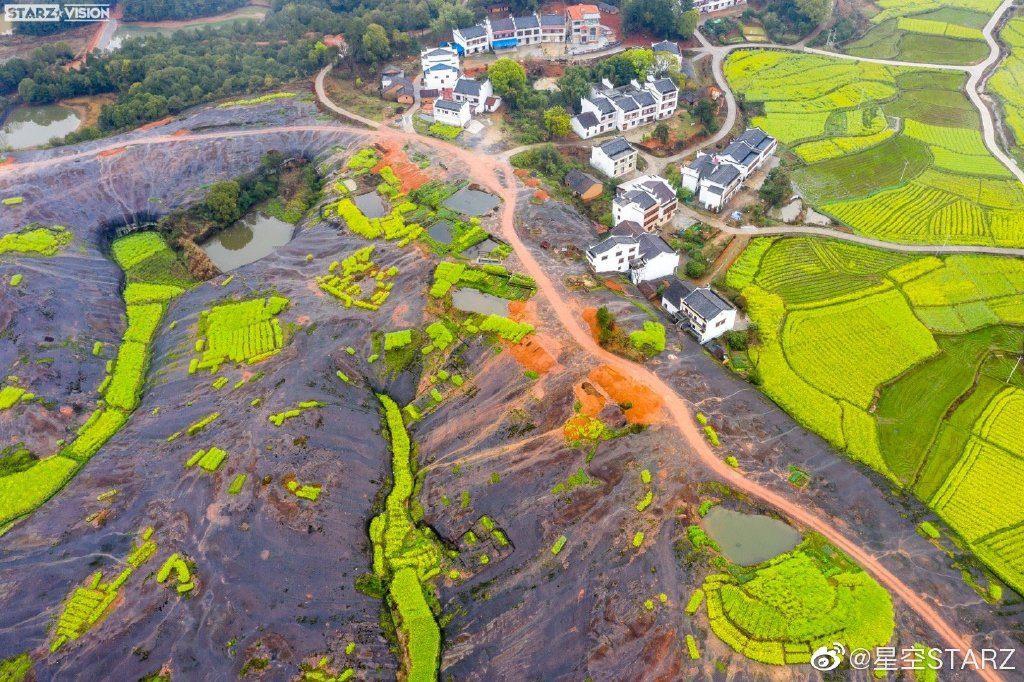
(160, 10)
(157, 76)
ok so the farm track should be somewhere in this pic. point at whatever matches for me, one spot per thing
(495, 172)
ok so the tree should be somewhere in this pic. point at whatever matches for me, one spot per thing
(605, 325)
(375, 44)
(687, 22)
(696, 267)
(776, 188)
(557, 122)
(704, 112)
(222, 201)
(574, 85)
(815, 10)
(662, 18)
(451, 15)
(507, 76)
(632, 64)
(661, 132)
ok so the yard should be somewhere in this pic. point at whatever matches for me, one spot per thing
(909, 364)
(359, 94)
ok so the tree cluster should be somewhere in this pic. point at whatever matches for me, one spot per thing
(668, 19)
(160, 10)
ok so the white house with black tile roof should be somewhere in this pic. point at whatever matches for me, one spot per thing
(478, 94)
(527, 29)
(714, 179)
(648, 201)
(440, 77)
(552, 28)
(472, 39)
(614, 158)
(625, 107)
(452, 112)
(628, 248)
(667, 54)
(705, 6)
(699, 310)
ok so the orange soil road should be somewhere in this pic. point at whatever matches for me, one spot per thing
(497, 175)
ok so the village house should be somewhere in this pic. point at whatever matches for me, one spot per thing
(628, 248)
(584, 24)
(648, 201)
(401, 90)
(578, 24)
(626, 107)
(389, 74)
(715, 178)
(701, 311)
(667, 54)
(451, 112)
(614, 158)
(705, 6)
(585, 186)
(439, 55)
(478, 94)
(440, 77)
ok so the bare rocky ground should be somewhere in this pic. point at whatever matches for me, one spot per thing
(275, 574)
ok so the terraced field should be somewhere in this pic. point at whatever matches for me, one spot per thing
(1008, 82)
(911, 364)
(895, 153)
(931, 31)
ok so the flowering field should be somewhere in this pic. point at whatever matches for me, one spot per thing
(906, 363)
(933, 31)
(1008, 80)
(893, 152)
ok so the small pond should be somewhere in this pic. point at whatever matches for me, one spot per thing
(473, 301)
(251, 238)
(748, 539)
(441, 232)
(484, 248)
(472, 202)
(34, 126)
(371, 204)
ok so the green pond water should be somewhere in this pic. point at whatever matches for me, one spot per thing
(34, 126)
(749, 539)
(250, 239)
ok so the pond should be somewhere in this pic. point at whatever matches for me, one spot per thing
(34, 126)
(441, 232)
(125, 31)
(472, 202)
(472, 301)
(484, 248)
(371, 204)
(250, 239)
(748, 539)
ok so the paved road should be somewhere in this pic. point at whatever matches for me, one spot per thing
(790, 230)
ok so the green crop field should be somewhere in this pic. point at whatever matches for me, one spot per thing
(782, 610)
(895, 153)
(909, 364)
(931, 31)
(1008, 81)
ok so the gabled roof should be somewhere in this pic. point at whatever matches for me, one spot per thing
(724, 174)
(468, 86)
(660, 189)
(645, 99)
(580, 182)
(552, 19)
(587, 119)
(529, 21)
(664, 86)
(638, 197)
(626, 103)
(471, 32)
(617, 148)
(610, 243)
(706, 303)
(666, 46)
(441, 67)
(676, 291)
(703, 164)
(506, 24)
(752, 137)
(578, 12)
(627, 228)
(438, 52)
(449, 105)
(742, 153)
(651, 246)
(603, 104)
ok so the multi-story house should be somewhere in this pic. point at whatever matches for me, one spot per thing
(629, 248)
(714, 179)
(614, 158)
(705, 6)
(472, 39)
(700, 310)
(439, 55)
(552, 28)
(626, 107)
(478, 94)
(502, 33)
(584, 24)
(648, 200)
(440, 77)
(527, 29)
(451, 112)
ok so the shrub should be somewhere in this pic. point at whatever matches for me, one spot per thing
(650, 340)
(399, 339)
(638, 538)
(559, 545)
(928, 530)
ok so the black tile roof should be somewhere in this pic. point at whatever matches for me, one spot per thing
(666, 46)
(665, 86)
(580, 182)
(529, 21)
(617, 148)
(724, 174)
(552, 19)
(506, 24)
(471, 32)
(651, 245)
(706, 303)
(587, 119)
(449, 105)
(467, 86)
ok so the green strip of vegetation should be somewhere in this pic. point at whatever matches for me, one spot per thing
(36, 240)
